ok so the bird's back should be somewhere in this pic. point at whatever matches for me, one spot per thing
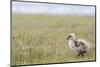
(81, 45)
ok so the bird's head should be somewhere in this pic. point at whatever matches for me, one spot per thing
(71, 37)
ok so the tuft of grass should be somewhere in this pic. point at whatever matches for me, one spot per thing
(40, 39)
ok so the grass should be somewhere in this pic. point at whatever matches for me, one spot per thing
(40, 39)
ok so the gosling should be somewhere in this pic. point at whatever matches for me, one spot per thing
(79, 46)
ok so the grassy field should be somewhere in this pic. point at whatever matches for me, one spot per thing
(40, 39)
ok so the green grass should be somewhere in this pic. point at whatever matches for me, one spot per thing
(40, 39)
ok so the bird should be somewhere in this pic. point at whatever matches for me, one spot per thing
(79, 46)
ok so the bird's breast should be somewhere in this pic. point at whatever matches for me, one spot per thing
(71, 44)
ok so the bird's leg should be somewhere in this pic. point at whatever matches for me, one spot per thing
(79, 54)
(82, 54)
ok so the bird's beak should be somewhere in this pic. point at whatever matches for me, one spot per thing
(68, 37)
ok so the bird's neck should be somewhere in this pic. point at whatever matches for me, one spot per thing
(72, 40)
